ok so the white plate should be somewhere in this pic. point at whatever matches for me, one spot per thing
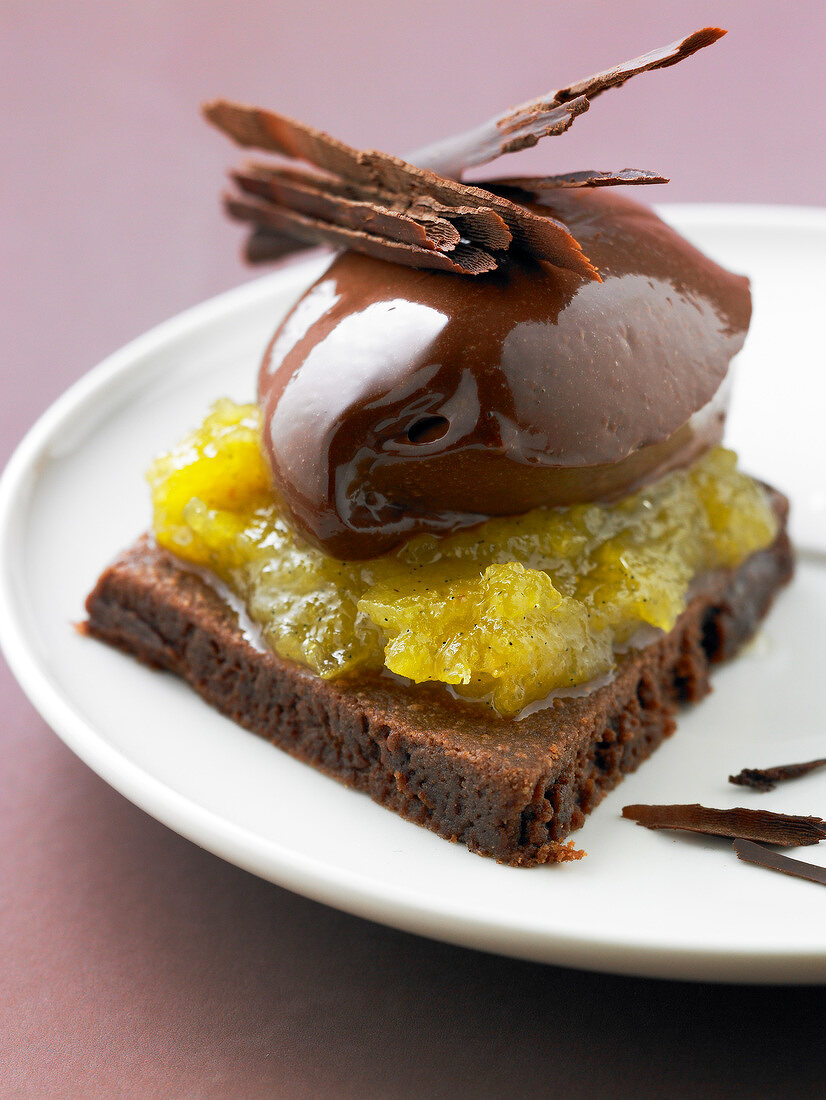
(642, 902)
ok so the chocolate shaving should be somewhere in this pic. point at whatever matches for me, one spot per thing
(478, 225)
(377, 172)
(784, 829)
(662, 58)
(257, 128)
(462, 260)
(309, 197)
(535, 184)
(523, 126)
(766, 779)
(750, 852)
(412, 211)
(518, 128)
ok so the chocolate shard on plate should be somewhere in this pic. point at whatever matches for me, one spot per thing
(463, 260)
(750, 852)
(523, 126)
(588, 178)
(766, 779)
(786, 830)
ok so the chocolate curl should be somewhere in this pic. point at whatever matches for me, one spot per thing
(309, 197)
(422, 221)
(590, 178)
(369, 197)
(518, 128)
(546, 238)
(478, 224)
(522, 127)
(750, 852)
(766, 779)
(289, 225)
(662, 58)
(786, 830)
(257, 128)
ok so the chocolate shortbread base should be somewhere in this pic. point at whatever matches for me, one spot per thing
(509, 789)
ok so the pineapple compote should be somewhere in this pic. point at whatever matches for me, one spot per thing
(506, 612)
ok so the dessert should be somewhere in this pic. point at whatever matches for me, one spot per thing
(477, 539)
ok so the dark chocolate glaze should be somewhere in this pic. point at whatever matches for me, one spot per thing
(397, 401)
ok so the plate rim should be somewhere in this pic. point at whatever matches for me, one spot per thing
(342, 889)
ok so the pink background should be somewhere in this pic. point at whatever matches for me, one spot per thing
(131, 962)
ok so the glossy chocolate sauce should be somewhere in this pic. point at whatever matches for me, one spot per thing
(397, 400)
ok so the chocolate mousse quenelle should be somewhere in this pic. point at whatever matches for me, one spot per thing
(480, 525)
(397, 400)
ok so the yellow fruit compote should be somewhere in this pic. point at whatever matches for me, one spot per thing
(506, 612)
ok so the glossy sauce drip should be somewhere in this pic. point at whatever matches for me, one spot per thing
(397, 401)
